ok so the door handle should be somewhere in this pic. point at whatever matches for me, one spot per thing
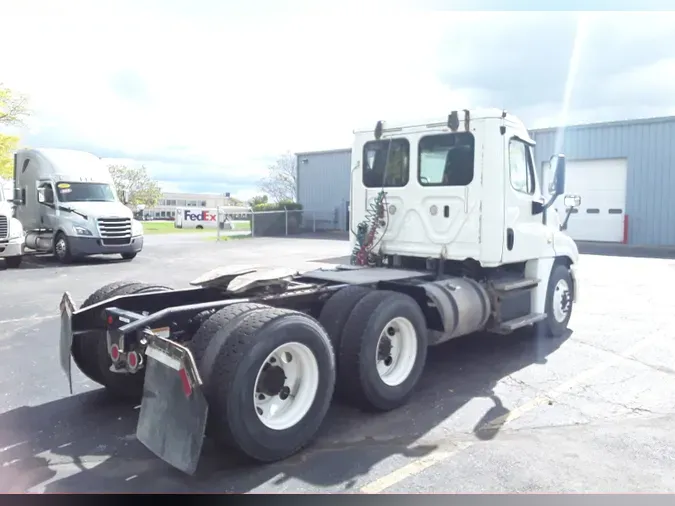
(446, 211)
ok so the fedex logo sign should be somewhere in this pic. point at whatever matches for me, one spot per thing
(199, 216)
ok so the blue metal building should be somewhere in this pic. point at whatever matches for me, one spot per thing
(624, 171)
(323, 187)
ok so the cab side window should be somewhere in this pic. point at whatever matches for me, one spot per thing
(521, 169)
(48, 192)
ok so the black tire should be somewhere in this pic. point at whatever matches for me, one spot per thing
(212, 333)
(358, 379)
(214, 329)
(232, 384)
(128, 256)
(90, 351)
(552, 327)
(62, 248)
(84, 346)
(337, 309)
(13, 262)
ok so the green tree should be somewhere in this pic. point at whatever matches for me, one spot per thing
(137, 182)
(13, 110)
(13, 107)
(8, 145)
(258, 200)
(281, 182)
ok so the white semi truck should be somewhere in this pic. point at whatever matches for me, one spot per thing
(12, 240)
(67, 203)
(452, 233)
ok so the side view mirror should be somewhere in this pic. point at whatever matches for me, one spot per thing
(572, 201)
(125, 197)
(558, 185)
(18, 197)
(41, 195)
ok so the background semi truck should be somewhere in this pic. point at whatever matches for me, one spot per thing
(12, 241)
(68, 205)
(451, 235)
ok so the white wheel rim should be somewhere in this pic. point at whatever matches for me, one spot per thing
(280, 410)
(561, 304)
(396, 351)
(61, 247)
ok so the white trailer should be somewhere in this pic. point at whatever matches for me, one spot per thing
(196, 217)
(452, 233)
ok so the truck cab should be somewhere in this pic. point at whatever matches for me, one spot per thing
(68, 205)
(471, 191)
(461, 196)
(12, 241)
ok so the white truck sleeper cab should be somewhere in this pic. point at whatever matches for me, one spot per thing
(68, 205)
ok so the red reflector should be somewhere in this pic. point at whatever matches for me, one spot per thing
(132, 359)
(110, 320)
(187, 388)
(114, 353)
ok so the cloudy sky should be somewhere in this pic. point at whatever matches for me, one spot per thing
(206, 93)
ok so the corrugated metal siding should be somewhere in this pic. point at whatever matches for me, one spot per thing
(649, 147)
(323, 184)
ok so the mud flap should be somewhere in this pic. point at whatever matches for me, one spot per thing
(67, 308)
(172, 419)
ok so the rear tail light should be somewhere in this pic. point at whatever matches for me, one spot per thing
(114, 353)
(133, 360)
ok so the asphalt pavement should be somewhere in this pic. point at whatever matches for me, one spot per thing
(591, 412)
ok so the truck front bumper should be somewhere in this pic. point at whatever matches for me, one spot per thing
(83, 246)
(13, 248)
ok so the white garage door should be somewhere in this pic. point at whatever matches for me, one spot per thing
(602, 186)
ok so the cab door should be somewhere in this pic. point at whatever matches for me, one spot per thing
(49, 213)
(526, 235)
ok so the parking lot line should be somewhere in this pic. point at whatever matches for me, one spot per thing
(28, 318)
(416, 467)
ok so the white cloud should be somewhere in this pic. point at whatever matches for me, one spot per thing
(215, 90)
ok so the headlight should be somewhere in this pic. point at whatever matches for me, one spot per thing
(82, 231)
(15, 229)
(136, 228)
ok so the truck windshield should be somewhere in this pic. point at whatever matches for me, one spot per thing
(85, 192)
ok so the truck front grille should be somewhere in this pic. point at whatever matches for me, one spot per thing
(4, 227)
(115, 230)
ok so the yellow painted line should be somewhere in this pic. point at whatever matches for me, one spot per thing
(416, 467)
(411, 469)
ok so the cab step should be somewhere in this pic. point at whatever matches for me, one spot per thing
(521, 321)
(510, 285)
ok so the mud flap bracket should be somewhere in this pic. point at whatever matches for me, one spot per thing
(174, 411)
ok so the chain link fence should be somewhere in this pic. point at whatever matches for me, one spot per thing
(278, 223)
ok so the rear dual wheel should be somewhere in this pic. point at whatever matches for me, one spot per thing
(90, 350)
(268, 375)
(381, 341)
